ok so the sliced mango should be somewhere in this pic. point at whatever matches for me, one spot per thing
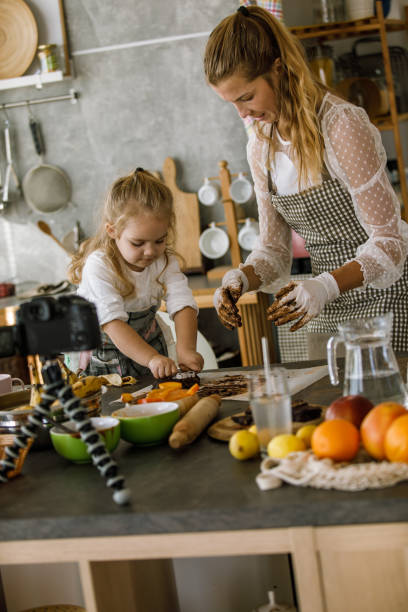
(170, 385)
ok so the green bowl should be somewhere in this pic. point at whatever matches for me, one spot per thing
(147, 424)
(73, 448)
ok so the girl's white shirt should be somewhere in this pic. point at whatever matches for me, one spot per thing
(99, 287)
(354, 155)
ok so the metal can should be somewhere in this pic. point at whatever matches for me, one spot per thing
(47, 54)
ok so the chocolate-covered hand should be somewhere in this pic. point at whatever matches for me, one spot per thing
(303, 300)
(234, 284)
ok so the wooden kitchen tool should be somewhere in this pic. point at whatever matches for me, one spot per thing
(225, 428)
(187, 220)
(45, 228)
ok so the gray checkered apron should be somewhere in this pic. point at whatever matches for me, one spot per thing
(324, 216)
(107, 359)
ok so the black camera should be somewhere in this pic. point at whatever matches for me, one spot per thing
(49, 326)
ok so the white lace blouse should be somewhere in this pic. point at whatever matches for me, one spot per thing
(355, 156)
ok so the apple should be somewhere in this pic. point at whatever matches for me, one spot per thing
(375, 426)
(352, 408)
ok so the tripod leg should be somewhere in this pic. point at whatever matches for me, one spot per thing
(94, 442)
(27, 431)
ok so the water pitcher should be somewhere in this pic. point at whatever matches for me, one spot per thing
(371, 368)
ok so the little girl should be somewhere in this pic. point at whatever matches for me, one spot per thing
(126, 270)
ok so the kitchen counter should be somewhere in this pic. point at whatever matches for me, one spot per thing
(188, 496)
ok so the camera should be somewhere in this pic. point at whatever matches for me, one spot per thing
(49, 326)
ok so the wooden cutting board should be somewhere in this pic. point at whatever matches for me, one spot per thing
(225, 428)
(187, 220)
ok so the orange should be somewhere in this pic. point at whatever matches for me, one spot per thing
(336, 439)
(396, 440)
(375, 425)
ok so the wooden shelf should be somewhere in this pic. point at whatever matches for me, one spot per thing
(362, 27)
(347, 29)
(385, 123)
(38, 80)
(52, 14)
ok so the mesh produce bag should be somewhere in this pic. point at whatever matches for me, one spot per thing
(304, 469)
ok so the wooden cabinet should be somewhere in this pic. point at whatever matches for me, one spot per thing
(371, 26)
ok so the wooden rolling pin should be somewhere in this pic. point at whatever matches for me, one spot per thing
(188, 428)
(187, 403)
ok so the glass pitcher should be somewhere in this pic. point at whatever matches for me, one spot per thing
(371, 368)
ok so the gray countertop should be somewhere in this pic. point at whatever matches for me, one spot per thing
(201, 488)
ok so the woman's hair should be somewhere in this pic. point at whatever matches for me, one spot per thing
(247, 44)
(138, 192)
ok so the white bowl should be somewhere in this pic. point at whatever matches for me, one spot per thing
(248, 235)
(213, 242)
(241, 190)
(209, 193)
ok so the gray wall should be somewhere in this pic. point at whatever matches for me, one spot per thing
(137, 106)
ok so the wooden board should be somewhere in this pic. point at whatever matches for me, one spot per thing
(225, 428)
(187, 220)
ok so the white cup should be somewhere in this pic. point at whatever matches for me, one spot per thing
(241, 190)
(213, 242)
(7, 382)
(209, 193)
(248, 234)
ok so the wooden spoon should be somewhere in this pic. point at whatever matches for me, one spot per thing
(44, 227)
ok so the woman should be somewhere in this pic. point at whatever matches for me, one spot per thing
(318, 166)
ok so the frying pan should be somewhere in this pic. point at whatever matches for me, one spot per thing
(46, 188)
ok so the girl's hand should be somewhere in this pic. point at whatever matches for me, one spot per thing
(162, 366)
(190, 360)
(303, 300)
(234, 284)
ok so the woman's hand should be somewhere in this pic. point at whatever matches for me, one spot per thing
(303, 300)
(234, 284)
(190, 360)
(161, 366)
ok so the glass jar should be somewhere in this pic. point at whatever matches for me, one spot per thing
(322, 63)
(47, 54)
(324, 11)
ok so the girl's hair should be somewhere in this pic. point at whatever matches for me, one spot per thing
(247, 44)
(138, 192)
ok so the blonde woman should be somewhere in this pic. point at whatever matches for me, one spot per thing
(126, 270)
(318, 166)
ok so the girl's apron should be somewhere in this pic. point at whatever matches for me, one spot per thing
(109, 360)
(324, 216)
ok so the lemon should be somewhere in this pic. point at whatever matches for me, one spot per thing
(253, 429)
(305, 434)
(243, 444)
(283, 444)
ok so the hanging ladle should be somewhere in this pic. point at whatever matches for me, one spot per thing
(10, 172)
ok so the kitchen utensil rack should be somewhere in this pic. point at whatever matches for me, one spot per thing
(73, 96)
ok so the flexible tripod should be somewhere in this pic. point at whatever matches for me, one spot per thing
(57, 388)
